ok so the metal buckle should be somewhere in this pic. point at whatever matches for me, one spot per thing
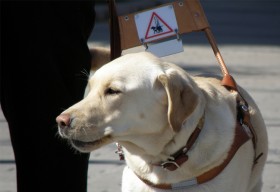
(120, 151)
(185, 150)
(164, 164)
(244, 108)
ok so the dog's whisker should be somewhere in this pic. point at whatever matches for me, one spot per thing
(84, 73)
(63, 109)
(85, 130)
(85, 134)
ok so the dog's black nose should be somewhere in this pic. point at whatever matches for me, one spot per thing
(63, 120)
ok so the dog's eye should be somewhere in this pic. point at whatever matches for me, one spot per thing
(111, 91)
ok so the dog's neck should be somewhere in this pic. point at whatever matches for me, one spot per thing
(152, 149)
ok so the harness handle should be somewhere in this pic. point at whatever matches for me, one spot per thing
(200, 23)
(115, 38)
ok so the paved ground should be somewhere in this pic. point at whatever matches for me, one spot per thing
(248, 34)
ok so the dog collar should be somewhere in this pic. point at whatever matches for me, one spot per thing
(178, 158)
(181, 156)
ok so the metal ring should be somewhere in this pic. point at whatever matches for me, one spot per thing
(244, 108)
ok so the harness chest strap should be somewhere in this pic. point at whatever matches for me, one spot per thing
(242, 110)
(241, 136)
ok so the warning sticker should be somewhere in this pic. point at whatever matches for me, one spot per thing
(157, 27)
(156, 24)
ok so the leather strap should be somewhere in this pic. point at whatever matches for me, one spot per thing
(229, 82)
(181, 156)
(242, 107)
(243, 111)
(115, 39)
(241, 136)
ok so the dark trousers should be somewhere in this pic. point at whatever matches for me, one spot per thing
(44, 55)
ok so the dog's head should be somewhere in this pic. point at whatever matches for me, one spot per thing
(132, 98)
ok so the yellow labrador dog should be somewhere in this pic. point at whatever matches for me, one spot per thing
(178, 132)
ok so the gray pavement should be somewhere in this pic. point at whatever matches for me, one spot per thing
(248, 35)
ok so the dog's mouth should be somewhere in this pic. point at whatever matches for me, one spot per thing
(88, 146)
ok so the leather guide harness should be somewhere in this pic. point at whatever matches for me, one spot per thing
(242, 135)
(244, 130)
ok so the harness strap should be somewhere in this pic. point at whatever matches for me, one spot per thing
(242, 109)
(115, 39)
(241, 136)
(181, 156)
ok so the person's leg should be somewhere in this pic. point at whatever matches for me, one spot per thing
(43, 53)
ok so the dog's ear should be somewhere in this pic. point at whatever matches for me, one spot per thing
(182, 100)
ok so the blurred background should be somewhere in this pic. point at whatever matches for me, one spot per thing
(232, 21)
(248, 36)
